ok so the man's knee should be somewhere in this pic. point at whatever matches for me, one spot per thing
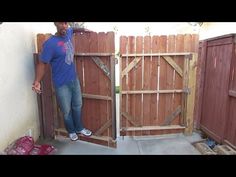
(66, 113)
(77, 106)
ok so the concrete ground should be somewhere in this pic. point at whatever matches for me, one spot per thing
(174, 144)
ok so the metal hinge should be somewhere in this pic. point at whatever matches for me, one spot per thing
(190, 56)
(187, 90)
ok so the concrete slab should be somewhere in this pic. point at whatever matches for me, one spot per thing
(167, 146)
(174, 144)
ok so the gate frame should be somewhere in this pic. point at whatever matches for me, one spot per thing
(95, 136)
(188, 99)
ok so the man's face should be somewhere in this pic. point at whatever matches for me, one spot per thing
(61, 27)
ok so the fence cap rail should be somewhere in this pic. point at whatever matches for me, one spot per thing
(94, 54)
(157, 54)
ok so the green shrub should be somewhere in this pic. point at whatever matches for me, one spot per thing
(117, 89)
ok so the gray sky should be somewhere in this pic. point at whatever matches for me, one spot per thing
(138, 28)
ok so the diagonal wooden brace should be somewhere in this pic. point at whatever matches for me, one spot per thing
(130, 119)
(174, 65)
(103, 128)
(171, 117)
(102, 66)
(130, 66)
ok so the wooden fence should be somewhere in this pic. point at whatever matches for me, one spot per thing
(157, 81)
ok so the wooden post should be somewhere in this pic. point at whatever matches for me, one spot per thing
(113, 96)
(120, 95)
(191, 95)
(185, 87)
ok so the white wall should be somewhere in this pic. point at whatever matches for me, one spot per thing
(213, 29)
(207, 30)
(18, 103)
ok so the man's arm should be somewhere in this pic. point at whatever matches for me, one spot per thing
(40, 71)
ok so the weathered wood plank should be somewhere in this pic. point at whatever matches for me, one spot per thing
(151, 91)
(93, 54)
(102, 66)
(130, 119)
(191, 96)
(170, 127)
(232, 93)
(156, 54)
(130, 66)
(103, 128)
(171, 117)
(99, 97)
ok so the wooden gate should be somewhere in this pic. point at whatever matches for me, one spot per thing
(157, 82)
(95, 64)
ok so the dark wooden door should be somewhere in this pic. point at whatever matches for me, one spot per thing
(216, 86)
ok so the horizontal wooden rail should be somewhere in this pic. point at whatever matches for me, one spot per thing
(151, 91)
(99, 97)
(63, 132)
(170, 127)
(232, 93)
(94, 54)
(156, 54)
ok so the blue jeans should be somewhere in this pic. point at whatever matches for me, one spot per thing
(70, 101)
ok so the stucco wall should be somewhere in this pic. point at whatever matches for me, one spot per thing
(18, 103)
(213, 29)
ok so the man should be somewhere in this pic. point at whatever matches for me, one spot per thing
(58, 51)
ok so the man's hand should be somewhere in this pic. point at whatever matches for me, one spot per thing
(87, 31)
(36, 87)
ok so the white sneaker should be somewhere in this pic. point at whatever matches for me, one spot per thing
(73, 136)
(85, 132)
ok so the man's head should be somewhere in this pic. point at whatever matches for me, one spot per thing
(61, 27)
